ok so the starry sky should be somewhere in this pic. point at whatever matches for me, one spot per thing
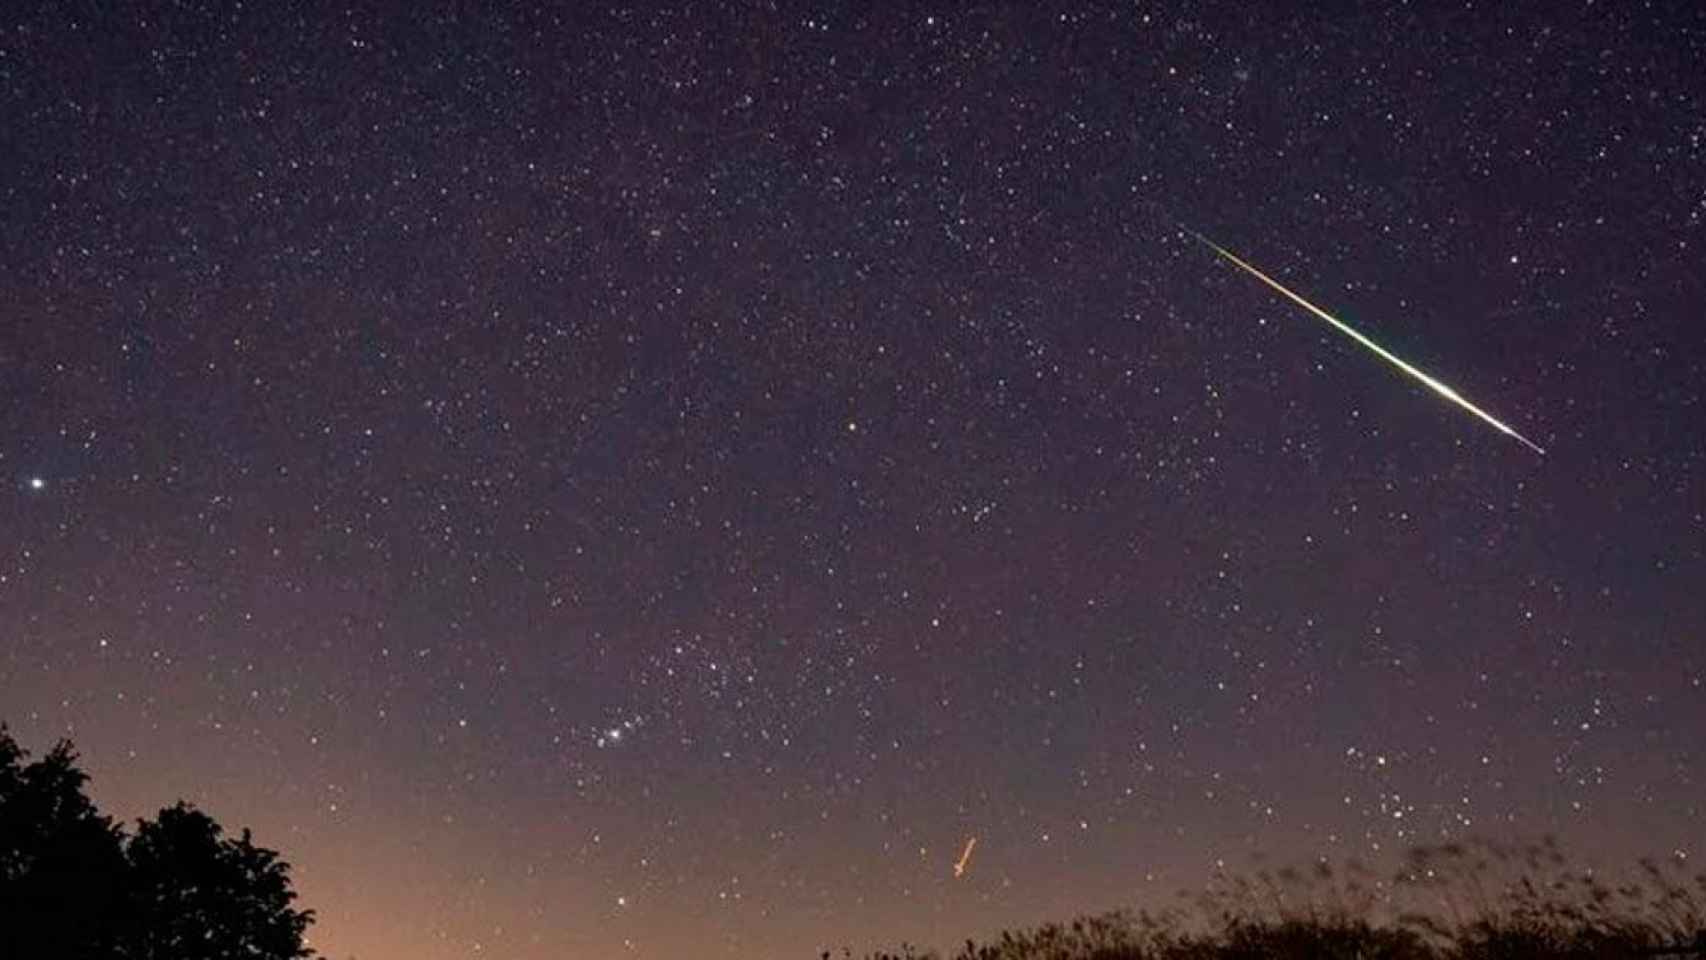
(655, 480)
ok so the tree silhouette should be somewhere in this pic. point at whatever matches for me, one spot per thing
(72, 885)
(61, 862)
(198, 894)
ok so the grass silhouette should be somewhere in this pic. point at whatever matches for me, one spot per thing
(1477, 900)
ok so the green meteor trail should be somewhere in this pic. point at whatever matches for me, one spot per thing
(1379, 350)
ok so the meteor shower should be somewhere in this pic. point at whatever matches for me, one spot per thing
(786, 480)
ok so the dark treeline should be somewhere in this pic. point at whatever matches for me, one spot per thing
(1479, 900)
(74, 886)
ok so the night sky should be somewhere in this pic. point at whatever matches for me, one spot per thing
(656, 481)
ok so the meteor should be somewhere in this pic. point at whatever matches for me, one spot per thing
(965, 858)
(1378, 350)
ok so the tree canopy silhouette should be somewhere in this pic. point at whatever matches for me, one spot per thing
(74, 885)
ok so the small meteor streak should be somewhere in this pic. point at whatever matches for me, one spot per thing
(1379, 351)
(965, 858)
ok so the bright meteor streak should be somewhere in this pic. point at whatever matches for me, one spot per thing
(965, 858)
(1379, 351)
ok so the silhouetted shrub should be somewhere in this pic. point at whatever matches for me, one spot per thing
(1478, 900)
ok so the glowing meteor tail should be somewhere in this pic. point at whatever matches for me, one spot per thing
(965, 858)
(1378, 350)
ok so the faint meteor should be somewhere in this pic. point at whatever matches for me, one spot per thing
(1379, 350)
(965, 858)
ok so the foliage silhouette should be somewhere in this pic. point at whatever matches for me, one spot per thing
(61, 862)
(1477, 900)
(73, 885)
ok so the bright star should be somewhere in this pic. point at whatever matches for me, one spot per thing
(37, 483)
